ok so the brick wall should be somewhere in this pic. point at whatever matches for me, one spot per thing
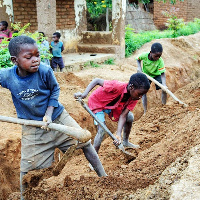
(65, 14)
(188, 10)
(159, 7)
(193, 10)
(25, 12)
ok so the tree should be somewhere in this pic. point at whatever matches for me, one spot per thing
(98, 7)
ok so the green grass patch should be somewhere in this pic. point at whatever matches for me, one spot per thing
(109, 61)
(134, 41)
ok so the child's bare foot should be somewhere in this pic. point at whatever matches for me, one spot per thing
(130, 145)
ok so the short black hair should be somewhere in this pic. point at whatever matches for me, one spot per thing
(4, 23)
(156, 48)
(139, 81)
(15, 44)
(57, 34)
(42, 33)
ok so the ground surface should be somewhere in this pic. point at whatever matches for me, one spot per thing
(168, 136)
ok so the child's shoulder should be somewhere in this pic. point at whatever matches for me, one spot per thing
(44, 68)
(142, 55)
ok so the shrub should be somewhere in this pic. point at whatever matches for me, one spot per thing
(134, 41)
(110, 61)
(4, 52)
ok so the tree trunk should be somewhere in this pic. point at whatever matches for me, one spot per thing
(107, 20)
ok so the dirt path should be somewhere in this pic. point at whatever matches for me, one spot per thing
(165, 133)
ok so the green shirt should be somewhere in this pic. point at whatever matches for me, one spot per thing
(151, 68)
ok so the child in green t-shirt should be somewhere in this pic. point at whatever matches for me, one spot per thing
(153, 65)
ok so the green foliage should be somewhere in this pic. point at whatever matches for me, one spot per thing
(171, 1)
(98, 7)
(164, 1)
(4, 53)
(110, 61)
(174, 23)
(5, 58)
(91, 64)
(134, 41)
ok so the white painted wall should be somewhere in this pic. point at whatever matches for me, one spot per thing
(9, 8)
(71, 37)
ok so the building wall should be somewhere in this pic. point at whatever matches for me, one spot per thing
(67, 19)
(139, 19)
(65, 14)
(193, 10)
(188, 10)
(159, 7)
(25, 12)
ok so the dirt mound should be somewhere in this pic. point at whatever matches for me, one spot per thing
(162, 138)
(164, 133)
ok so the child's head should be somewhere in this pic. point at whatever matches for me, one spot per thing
(156, 51)
(41, 36)
(24, 53)
(138, 85)
(3, 25)
(56, 36)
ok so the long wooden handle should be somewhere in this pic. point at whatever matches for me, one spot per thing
(165, 89)
(79, 134)
(85, 106)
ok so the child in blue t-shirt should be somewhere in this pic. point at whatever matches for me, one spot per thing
(35, 93)
(56, 49)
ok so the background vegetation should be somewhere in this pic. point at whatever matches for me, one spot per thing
(18, 30)
(176, 28)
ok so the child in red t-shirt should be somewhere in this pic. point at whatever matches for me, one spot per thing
(116, 99)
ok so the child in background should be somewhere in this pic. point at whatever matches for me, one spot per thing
(4, 32)
(153, 65)
(116, 99)
(56, 49)
(43, 47)
(35, 93)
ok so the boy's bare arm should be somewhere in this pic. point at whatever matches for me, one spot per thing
(48, 115)
(121, 122)
(93, 83)
(139, 68)
(163, 78)
(62, 48)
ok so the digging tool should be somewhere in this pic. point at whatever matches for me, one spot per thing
(165, 89)
(75, 133)
(120, 146)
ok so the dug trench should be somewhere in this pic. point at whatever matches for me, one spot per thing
(165, 134)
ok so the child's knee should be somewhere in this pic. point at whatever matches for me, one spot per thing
(101, 132)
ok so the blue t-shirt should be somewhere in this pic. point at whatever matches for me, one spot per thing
(57, 49)
(34, 93)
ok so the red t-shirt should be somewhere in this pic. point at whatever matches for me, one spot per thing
(5, 34)
(105, 94)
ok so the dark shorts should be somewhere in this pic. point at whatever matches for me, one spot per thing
(57, 61)
(157, 78)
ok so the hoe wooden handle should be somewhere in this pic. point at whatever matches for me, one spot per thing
(165, 89)
(76, 133)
